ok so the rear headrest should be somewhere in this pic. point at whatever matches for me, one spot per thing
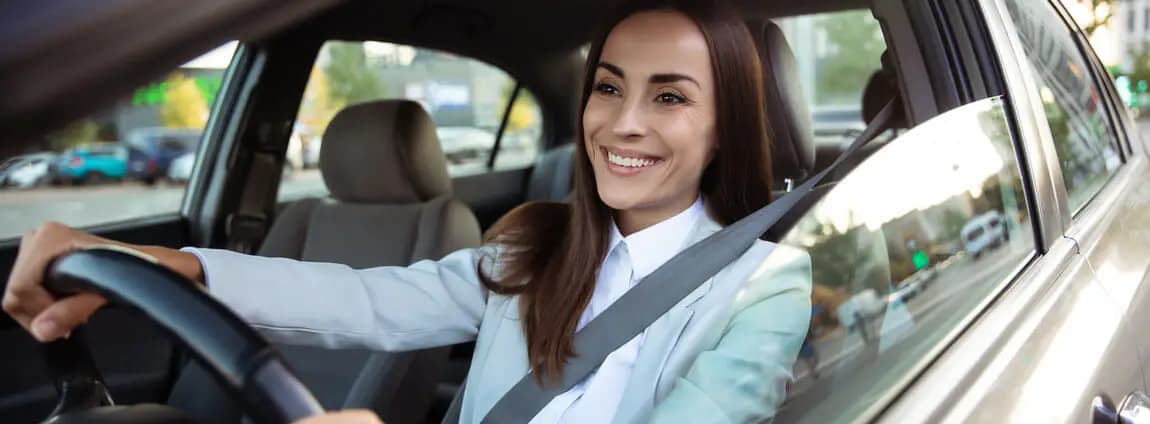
(789, 119)
(383, 152)
(879, 91)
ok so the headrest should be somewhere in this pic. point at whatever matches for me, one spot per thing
(789, 119)
(879, 91)
(383, 152)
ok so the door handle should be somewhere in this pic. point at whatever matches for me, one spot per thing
(1135, 409)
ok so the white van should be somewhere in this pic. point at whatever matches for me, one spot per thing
(983, 233)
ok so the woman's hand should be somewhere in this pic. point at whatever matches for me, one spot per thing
(48, 318)
(351, 416)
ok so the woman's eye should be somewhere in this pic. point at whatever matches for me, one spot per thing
(670, 98)
(606, 89)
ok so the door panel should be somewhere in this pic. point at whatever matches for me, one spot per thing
(134, 356)
(1113, 234)
(492, 194)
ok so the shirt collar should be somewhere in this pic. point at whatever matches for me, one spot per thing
(653, 246)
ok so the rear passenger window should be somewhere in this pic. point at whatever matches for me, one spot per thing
(466, 98)
(900, 260)
(836, 54)
(1085, 142)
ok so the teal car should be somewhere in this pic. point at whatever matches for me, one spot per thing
(92, 164)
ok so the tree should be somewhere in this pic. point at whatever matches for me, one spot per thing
(856, 46)
(1098, 14)
(75, 134)
(184, 103)
(350, 77)
(318, 107)
(522, 115)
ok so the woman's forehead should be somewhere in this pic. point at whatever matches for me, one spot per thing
(660, 41)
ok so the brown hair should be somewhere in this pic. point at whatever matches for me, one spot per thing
(550, 252)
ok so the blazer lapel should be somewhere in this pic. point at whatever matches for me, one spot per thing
(659, 341)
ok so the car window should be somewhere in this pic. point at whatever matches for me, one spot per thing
(466, 98)
(1084, 140)
(113, 166)
(836, 54)
(903, 250)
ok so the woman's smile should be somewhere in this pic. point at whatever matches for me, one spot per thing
(625, 162)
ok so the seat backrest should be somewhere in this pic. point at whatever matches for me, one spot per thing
(788, 116)
(551, 178)
(390, 205)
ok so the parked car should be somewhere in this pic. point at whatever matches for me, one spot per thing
(152, 150)
(26, 171)
(181, 168)
(465, 144)
(92, 164)
(1000, 105)
(984, 233)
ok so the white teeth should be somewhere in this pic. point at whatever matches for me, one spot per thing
(628, 162)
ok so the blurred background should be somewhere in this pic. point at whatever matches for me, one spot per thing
(1119, 31)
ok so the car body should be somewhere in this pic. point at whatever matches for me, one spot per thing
(27, 171)
(1049, 328)
(92, 163)
(180, 169)
(152, 150)
(984, 233)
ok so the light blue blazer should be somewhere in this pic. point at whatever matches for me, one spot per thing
(724, 354)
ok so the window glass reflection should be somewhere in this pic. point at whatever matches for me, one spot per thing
(1085, 144)
(902, 249)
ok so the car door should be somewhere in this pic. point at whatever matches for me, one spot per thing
(136, 359)
(1062, 343)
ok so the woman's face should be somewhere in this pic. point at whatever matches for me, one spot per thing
(649, 123)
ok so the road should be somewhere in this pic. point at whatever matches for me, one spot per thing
(852, 373)
(83, 206)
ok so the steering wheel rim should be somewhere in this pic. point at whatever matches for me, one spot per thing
(233, 352)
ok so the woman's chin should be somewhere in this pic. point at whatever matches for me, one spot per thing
(620, 200)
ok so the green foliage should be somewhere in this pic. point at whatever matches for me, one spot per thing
(856, 46)
(1101, 12)
(75, 134)
(351, 78)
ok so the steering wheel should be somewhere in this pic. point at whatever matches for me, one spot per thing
(232, 351)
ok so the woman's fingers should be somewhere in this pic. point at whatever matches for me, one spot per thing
(59, 319)
(25, 298)
(351, 416)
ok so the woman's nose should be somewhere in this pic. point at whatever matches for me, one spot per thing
(630, 122)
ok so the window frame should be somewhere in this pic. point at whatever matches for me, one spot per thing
(1100, 77)
(1023, 93)
(1068, 214)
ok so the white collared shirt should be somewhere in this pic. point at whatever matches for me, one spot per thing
(629, 259)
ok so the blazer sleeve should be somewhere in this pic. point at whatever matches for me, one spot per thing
(743, 378)
(427, 304)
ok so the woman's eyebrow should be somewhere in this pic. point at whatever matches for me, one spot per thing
(655, 79)
(612, 68)
(670, 78)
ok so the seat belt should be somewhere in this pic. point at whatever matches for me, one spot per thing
(247, 226)
(655, 294)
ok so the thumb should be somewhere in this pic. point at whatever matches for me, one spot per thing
(59, 319)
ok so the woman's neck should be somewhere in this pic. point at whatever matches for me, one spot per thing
(631, 221)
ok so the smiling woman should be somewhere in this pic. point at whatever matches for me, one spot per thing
(670, 116)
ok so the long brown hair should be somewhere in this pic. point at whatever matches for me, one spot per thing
(550, 253)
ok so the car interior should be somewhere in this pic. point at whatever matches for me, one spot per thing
(391, 200)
